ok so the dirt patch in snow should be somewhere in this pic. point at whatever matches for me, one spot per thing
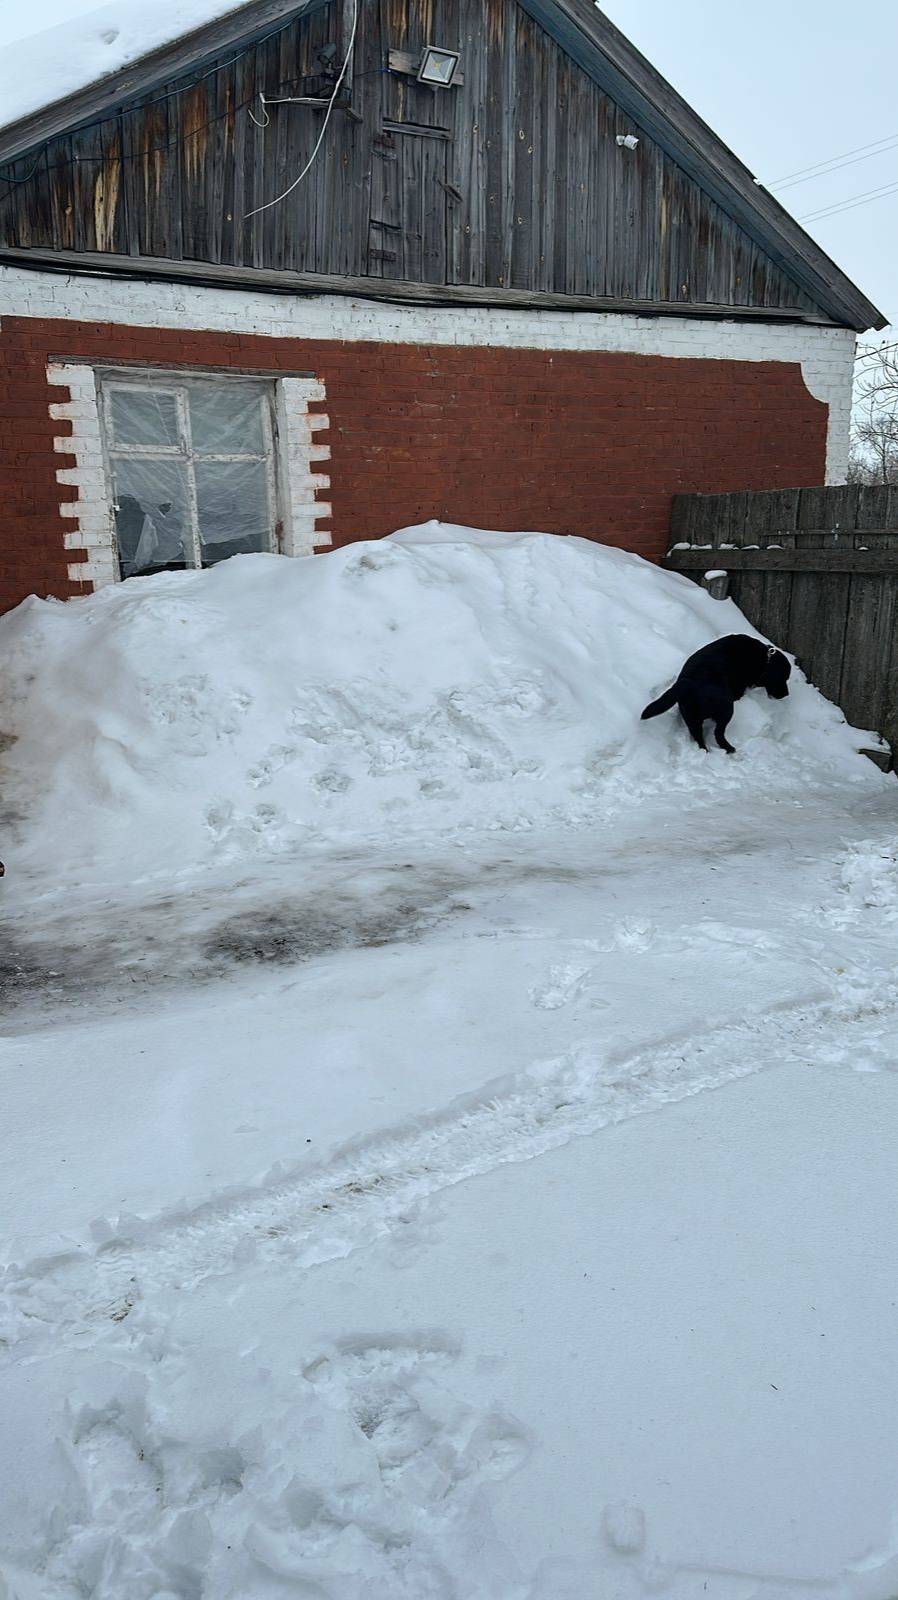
(109, 950)
(293, 932)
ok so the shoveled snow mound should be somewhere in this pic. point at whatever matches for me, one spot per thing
(441, 680)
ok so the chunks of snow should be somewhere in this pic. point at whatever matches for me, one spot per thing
(869, 878)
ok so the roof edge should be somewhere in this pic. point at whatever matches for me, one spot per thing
(241, 25)
(587, 35)
(268, 281)
(596, 45)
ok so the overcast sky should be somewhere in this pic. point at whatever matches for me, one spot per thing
(788, 84)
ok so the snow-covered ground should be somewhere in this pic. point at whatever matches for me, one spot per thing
(448, 1125)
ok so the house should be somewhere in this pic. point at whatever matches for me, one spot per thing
(312, 272)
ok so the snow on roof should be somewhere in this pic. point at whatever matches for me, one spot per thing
(44, 67)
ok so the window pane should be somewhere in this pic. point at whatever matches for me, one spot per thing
(143, 417)
(226, 419)
(234, 511)
(151, 514)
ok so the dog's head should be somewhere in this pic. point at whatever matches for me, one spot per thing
(776, 674)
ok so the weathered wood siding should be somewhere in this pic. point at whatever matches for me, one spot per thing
(827, 590)
(513, 179)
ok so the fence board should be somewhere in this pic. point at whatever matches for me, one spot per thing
(682, 518)
(752, 581)
(868, 690)
(781, 509)
(809, 594)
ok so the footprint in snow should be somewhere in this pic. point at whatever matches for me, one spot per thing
(623, 1526)
(565, 983)
(634, 933)
(428, 1444)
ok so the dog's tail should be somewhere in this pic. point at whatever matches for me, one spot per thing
(663, 703)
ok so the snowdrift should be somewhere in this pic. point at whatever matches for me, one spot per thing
(438, 681)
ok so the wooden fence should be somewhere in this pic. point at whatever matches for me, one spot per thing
(816, 570)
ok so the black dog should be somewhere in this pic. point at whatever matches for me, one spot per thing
(716, 677)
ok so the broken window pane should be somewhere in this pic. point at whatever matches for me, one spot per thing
(233, 508)
(144, 417)
(226, 419)
(152, 514)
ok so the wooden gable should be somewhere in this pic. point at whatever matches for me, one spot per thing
(511, 181)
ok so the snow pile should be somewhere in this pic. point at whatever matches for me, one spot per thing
(440, 680)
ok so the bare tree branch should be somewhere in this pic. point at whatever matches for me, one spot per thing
(874, 431)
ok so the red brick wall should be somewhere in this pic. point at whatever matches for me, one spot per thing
(589, 443)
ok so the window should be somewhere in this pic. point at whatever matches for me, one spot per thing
(191, 463)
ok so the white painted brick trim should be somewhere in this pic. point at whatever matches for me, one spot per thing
(299, 481)
(825, 382)
(826, 355)
(92, 510)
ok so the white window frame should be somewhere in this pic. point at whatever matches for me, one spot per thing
(177, 385)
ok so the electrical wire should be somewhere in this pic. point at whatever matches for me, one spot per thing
(138, 155)
(810, 172)
(327, 116)
(171, 94)
(850, 203)
(131, 155)
(837, 166)
(222, 66)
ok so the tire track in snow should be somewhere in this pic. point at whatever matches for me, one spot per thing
(319, 1215)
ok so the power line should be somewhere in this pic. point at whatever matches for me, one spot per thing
(837, 166)
(850, 203)
(131, 155)
(327, 116)
(171, 94)
(779, 183)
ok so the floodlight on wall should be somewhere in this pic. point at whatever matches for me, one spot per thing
(438, 67)
(432, 66)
